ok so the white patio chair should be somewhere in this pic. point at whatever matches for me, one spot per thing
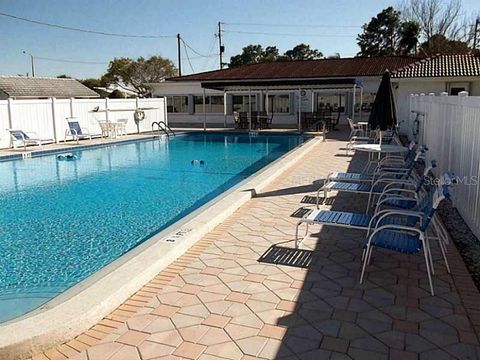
(122, 127)
(19, 138)
(76, 131)
(104, 128)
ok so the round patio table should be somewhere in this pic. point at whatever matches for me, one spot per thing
(378, 149)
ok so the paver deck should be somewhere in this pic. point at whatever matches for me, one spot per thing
(219, 302)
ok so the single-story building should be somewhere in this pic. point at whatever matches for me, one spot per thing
(288, 88)
(22, 87)
(450, 74)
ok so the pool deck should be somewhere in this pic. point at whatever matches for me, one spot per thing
(218, 301)
(98, 141)
(72, 145)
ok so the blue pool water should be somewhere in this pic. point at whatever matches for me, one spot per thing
(61, 221)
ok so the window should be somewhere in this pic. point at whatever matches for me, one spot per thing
(216, 104)
(333, 102)
(240, 103)
(198, 101)
(279, 103)
(456, 90)
(456, 87)
(213, 104)
(177, 104)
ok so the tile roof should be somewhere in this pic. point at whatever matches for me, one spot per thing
(307, 69)
(35, 87)
(441, 66)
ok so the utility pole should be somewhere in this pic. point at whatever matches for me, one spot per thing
(179, 56)
(475, 35)
(221, 48)
(32, 61)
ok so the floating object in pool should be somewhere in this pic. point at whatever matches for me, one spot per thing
(66, 157)
(198, 162)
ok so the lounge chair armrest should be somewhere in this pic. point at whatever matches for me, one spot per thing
(390, 175)
(398, 167)
(395, 227)
(393, 158)
(400, 194)
(383, 214)
(389, 197)
(391, 162)
(395, 191)
(390, 182)
(400, 182)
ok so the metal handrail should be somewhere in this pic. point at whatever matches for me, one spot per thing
(164, 127)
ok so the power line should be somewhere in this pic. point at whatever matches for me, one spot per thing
(286, 34)
(293, 25)
(72, 61)
(210, 51)
(188, 58)
(84, 30)
(201, 57)
(193, 50)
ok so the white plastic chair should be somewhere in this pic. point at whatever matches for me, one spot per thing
(19, 138)
(122, 127)
(76, 131)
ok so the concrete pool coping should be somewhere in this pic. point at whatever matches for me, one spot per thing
(88, 302)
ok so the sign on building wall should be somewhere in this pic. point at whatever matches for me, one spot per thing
(306, 100)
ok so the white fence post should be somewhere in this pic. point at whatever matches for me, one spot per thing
(165, 112)
(10, 116)
(72, 113)
(54, 120)
(106, 110)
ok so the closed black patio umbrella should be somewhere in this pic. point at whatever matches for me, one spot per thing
(383, 115)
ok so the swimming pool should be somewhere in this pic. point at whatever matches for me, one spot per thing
(62, 221)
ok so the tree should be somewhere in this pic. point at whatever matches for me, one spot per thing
(270, 54)
(138, 73)
(116, 94)
(409, 33)
(387, 35)
(253, 54)
(439, 44)
(63, 76)
(435, 17)
(440, 23)
(94, 83)
(303, 52)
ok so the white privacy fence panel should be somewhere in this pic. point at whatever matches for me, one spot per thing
(450, 128)
(82, 109)
(4, 124)
(33, 115)
(158, 113)
(47, 117)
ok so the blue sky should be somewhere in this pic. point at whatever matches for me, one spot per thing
(195, 20)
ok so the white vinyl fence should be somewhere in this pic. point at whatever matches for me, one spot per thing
(450, 127)
(47, 117)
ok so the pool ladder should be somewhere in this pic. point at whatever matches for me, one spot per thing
(162, 126)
